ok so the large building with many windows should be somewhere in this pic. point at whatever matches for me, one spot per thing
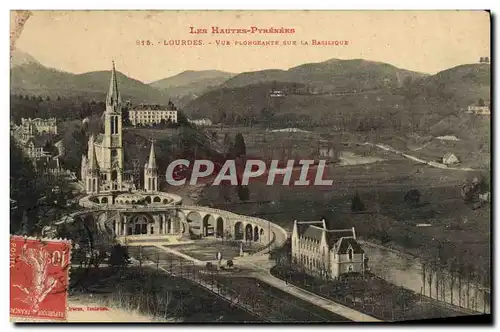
(327, 253)
(39, 126)
(152, 114)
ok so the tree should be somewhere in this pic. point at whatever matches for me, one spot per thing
(243, 193)
(356, 204)
(413, 197)
(24, 190)
(98, 257)
(119, 256)
(225, 192)
(74, 137)
(228, 146)
(282, 254)
(239, 146)
(474, 186)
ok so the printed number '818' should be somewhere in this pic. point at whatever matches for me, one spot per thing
(143, 42)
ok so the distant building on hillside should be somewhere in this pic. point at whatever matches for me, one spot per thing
(48, 166)
(152, 114)
(480, 110)
(327, 151)
(450, 159)
(277, 93)
(482, 107)
(39, 126)
(34, 147)
(484, 59)
(201, 122)
(327, 253)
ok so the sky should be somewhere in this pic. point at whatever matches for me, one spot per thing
(83, 41)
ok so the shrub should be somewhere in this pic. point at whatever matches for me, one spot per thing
(356, 204)
(230, 263)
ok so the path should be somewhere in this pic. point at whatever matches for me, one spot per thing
(180, 254)
(418, 160)
(263, 274)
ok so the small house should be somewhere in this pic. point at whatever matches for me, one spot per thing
(450, 159)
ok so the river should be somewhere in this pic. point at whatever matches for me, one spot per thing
(406, 271)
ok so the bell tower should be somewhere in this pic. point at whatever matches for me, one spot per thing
(112, 148)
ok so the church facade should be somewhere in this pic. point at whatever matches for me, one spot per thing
(326, 253)
(102, 169)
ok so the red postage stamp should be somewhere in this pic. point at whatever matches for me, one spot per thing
(39, 278)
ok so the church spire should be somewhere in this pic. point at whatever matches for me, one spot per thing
(94, 166)
(113, 97)
(152, 157)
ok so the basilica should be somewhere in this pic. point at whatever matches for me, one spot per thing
(102, 168)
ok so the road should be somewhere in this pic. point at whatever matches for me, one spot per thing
(418, 160)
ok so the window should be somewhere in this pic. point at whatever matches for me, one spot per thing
(350, 252)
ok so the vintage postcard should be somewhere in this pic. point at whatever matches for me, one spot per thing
(250, 166)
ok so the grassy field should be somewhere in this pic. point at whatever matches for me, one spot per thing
(156, 294)
(206, 250)
(371, 295)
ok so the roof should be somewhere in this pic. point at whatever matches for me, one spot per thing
(39, 140)
(113, 97)
(302, 226)
(343, 245)
(152, 158)
(150, 107)
(449, 154)
(314, 233)
(333, 236)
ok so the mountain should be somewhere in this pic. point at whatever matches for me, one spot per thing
(189, 77)
(358, 95)
(439, 101)
(317, 93)
(464, 84)
(29, 77)
(190, 84)
(254, 104)
(19, 58)
(333, 75)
